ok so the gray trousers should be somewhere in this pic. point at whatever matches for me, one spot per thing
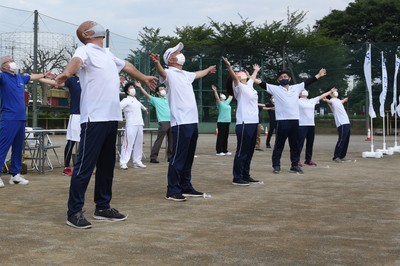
(164, 128)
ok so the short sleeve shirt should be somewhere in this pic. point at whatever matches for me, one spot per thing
(286, 101)
(162, 108)
(99, 79)
(224, 111)
(340, 114)
(182, 100)
(12, 96)
(247, 98)
(307, 109)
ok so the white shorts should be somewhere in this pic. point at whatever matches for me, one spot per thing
(74, 128)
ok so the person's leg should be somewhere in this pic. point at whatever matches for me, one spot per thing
(339, 143)
(127, 145)
(162, 131)
(310, 143)
(7, 134)
(138, 145)
(105, 166)
(169, 141)
(346, 140)
(92, 138)
(249, 143)
(218, 145)
(181, 140)
(272, 126)
(238, 161)
(302, 133)
(225, 136)
(68, 152)
(17, 147)
(293, 133)
(282, 132)
(186, 173)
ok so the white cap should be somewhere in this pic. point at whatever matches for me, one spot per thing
(169, 51)
(304, 93)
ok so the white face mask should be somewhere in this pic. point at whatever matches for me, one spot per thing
(132, 92)
(335, 93)
(223, 97)
(163, 93)
(181, 59)
(304, 93)
(99, 31)
(13, 67)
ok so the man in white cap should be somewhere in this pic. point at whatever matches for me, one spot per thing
(13, 116)
(100, 112)
(184, 120)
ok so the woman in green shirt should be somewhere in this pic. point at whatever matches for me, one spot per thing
(224, 120)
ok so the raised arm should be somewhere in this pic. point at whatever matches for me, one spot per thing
(139, 85)
(205, 72)
(322, 96)
(214, 88)
(309, 81)
(132, 71)
(72, 67)
(234, 77)
(256, 69)
(156, 60)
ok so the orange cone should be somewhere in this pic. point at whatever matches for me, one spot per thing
(369, 135)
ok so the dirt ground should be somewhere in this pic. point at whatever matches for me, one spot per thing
(334, 214)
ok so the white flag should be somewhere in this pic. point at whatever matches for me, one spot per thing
(368, 80)
(396, 71)
(382, 96)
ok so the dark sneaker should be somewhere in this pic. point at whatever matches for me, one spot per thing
(240, 182)
(110, 214)
(192, 193)
(277, 169)
(78, 220)
(251, 180)
(154, 161)
(311, 163)
(296, 169)
(176, 197)
(268, 146)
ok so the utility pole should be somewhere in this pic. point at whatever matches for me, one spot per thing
(35, 68)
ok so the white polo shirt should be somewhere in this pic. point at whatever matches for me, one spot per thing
(99, 79)
(339, 112)
(247, 103)
(286, 100)
(182, 100)
(132, 109)
(307, 109)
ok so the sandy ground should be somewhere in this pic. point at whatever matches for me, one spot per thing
(334, 214)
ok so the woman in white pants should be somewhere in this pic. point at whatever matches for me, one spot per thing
(133, 139)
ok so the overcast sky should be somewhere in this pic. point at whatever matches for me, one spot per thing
(128, 17)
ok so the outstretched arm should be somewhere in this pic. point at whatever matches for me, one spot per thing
(139, 85)
(256, 69)
(322, 96)
(214, 88)
(234, 77)
(72, 67)
(132, 71)
(205, 72)
(156, 60)
(309, 81)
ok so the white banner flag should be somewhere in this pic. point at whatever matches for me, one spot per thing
(382, 96)
(368, 80)
(396, 70)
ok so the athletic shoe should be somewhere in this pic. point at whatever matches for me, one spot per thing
(154, 161)
(110, 214)
(240, 182)
(228, 153)
(176, 197)
(18, 179)
(220, 154)
(311, 163)
(277, 169)
(1, 183)
(268, 146)
(67, 171)
(296, 169)
(337, 160)
(139, 165)
(123, 167)
(345, 160)
(259, 149)
(251, 180)
(192, 193)
(79, 221)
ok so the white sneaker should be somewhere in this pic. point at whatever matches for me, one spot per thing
(123, 167)
(228, 153)
(1, 183)
(139, 165)
(18, 179)
(220, 154)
